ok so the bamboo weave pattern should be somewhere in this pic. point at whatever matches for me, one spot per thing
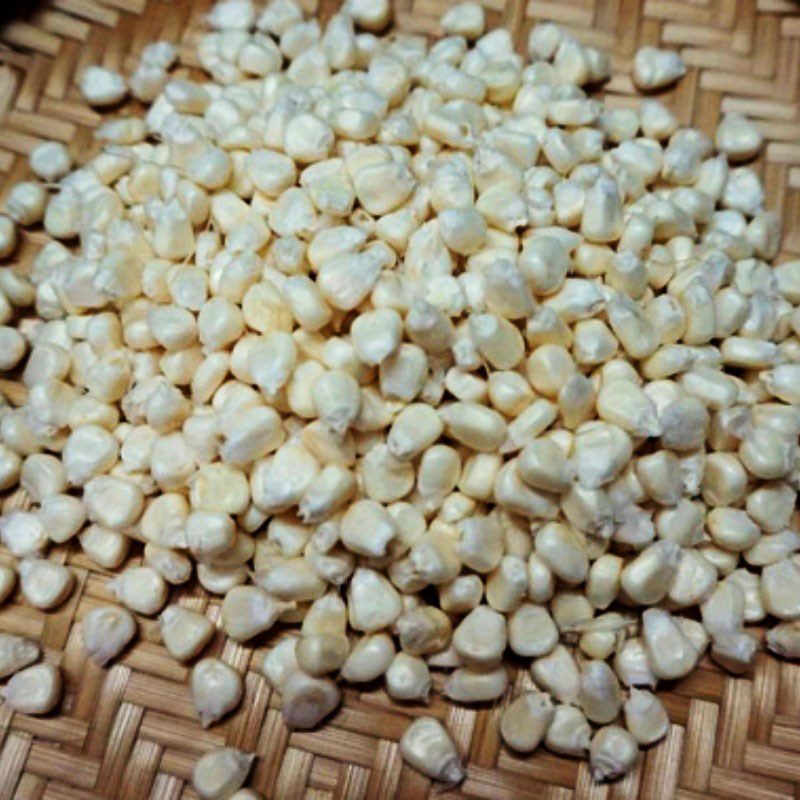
(130, 732)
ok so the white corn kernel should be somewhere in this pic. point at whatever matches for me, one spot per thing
(439, 471)
(376, 335)
(670, 653)
(732, 528)
(531, 631)
(105, 547)
(367, 529)
(16, 653)
(474, 425)
(470, 686)
(216, 690)
(113, 502)
(779, 586)
(306, 701)
(23, 533)
(526, 720)
(50, 161)
(248, 611)
(107, 630)
(373, 603)
(660, 476)
(102, 87)
(507, 585)
(654, 68)
(414, 429)
(600, 696)
(601, 450)
(737, 137)
(427, 747)
(623, 403)
(613, 752)
(569, 733)
(369, 658)
(34, 690)
(480, 638)
(601, 220)
(563, 550)
(557, 673)
(280, 662)
(784, 639)
(497, 340)
(45, 584)
(337, 398)
(632, 666)
(603, 583)
(694, 579)
(141, 589)
(26, 203)
(543, 465)
(645, 717)
(461, 595)
(220, 773)
(185, 633)
(771, 505)
(328, 491)
(464, 19)
(647, 578)
(408, 678)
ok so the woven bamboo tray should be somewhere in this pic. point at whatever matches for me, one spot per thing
(130, 732)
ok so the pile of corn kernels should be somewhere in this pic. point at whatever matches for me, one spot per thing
(419, 349)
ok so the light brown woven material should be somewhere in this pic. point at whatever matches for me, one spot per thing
(130, 731)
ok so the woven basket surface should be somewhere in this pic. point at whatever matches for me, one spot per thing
(130, 731)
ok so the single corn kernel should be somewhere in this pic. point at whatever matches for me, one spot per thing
(16, 653)
(220, 773)
(373, 603)
(34, 690)
(481, 637)
(613, 752)
(471, 686)
(45, 584)
(464, 19)
(562, 549)
(525, 721)
(531, 631)
(655, 69)
(600, 696)
(427, 747)
(322, 653)
(106, 631)
(737, 137)
(280, 662)
(408, 678)
(306, 700)
(248, 611)
(102, 87)
(26, 203)
(784, 639)
(779, 584)
(557, 673)
(670, 654)
(216, 690)
(369, 658)
(569, 733)
(645, 717)
(141, 589)
(185, 633)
